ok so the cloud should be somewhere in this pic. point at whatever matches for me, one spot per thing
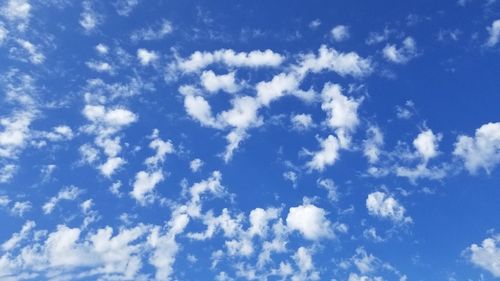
(403, 54)
(156, 32)
(69, 193)
(340, 33)
(16, 10)
(481, 150)
(200, 60)
(214, 83)
(34, 55)
(146, 57)
(125, 7)
(384, 206)
(310, 221)
(7, 172)
(16, 238)
(314, 24)
(327, 156)
(89, 19)
(494, 32)
(144, 184)
(426, 144)
(486, 255)
(100, 66)
(372, 144)
(302, 122)
(195, 165)
(343, 64)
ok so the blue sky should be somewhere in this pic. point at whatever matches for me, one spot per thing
(249, 140)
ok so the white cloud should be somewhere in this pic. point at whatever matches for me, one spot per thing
(383, 205)
(146, 57)
(112, 164)
(69, 193)
(426, 144)
(162, 149)
(16, 238)
(7, 172)
(200, 60)
(199, 108)
(327, 156)
(34, 55)
(281, 84)
(494, 32)
(89, 19)
(486, 255)
(302, 122)
(372, 145)
(403, 54)
(102, 49)
(156, 32)
(195, 165)
(342, 112)
(343, 64)
(3, 33)
(214, 83)
(331, 188)
(125, 7)
(100, 66)
(16, 10)
(303, 260)
(481, 150)
(20, 208)
(259, 220)
(144, 185)
(314, 24)
(310, 221)
(340, 33)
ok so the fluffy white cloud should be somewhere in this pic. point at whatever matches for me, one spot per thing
(426, 144)
(125, 7)
(486, 255)
(89, 19)
(214, 83)
(494, 32)
(342, 112)
(16, 9)
(372, 145)
(144, 184)
(326, 156)
(310, 221)
(16, 238)
(34, 55)
(195, 165)
(7, 172)
(302, 122)
(100, 66)
(281, 84)
(146, 57)
(259, 219)
(330, 186)
(340, 33)
(200, 60)
(161, 147)
(383, 205)
(68, 193)
(482, 150)
(403, 54)
(341, 63)
(156, 32)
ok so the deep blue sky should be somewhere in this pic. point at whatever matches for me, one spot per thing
(249, 140)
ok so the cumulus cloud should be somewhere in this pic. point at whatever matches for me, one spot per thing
(426, 144)
(34, 55)
(224, 82)
(340, 33)
(125, 7)
(310, 221)
(302, 122)
(486, 255)
(326, 156)
(155, 32)
(200, 60)
(69, 193)
(89, 18)
(195, 165)
(403, 54)
(7, 172)
(482, 151)
(383, 205)
(105, 123)
(372, 144)
(16, 10)
(144, 184)
(494, 32)
(146, 57)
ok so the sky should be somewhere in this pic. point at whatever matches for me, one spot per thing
(250, 140)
